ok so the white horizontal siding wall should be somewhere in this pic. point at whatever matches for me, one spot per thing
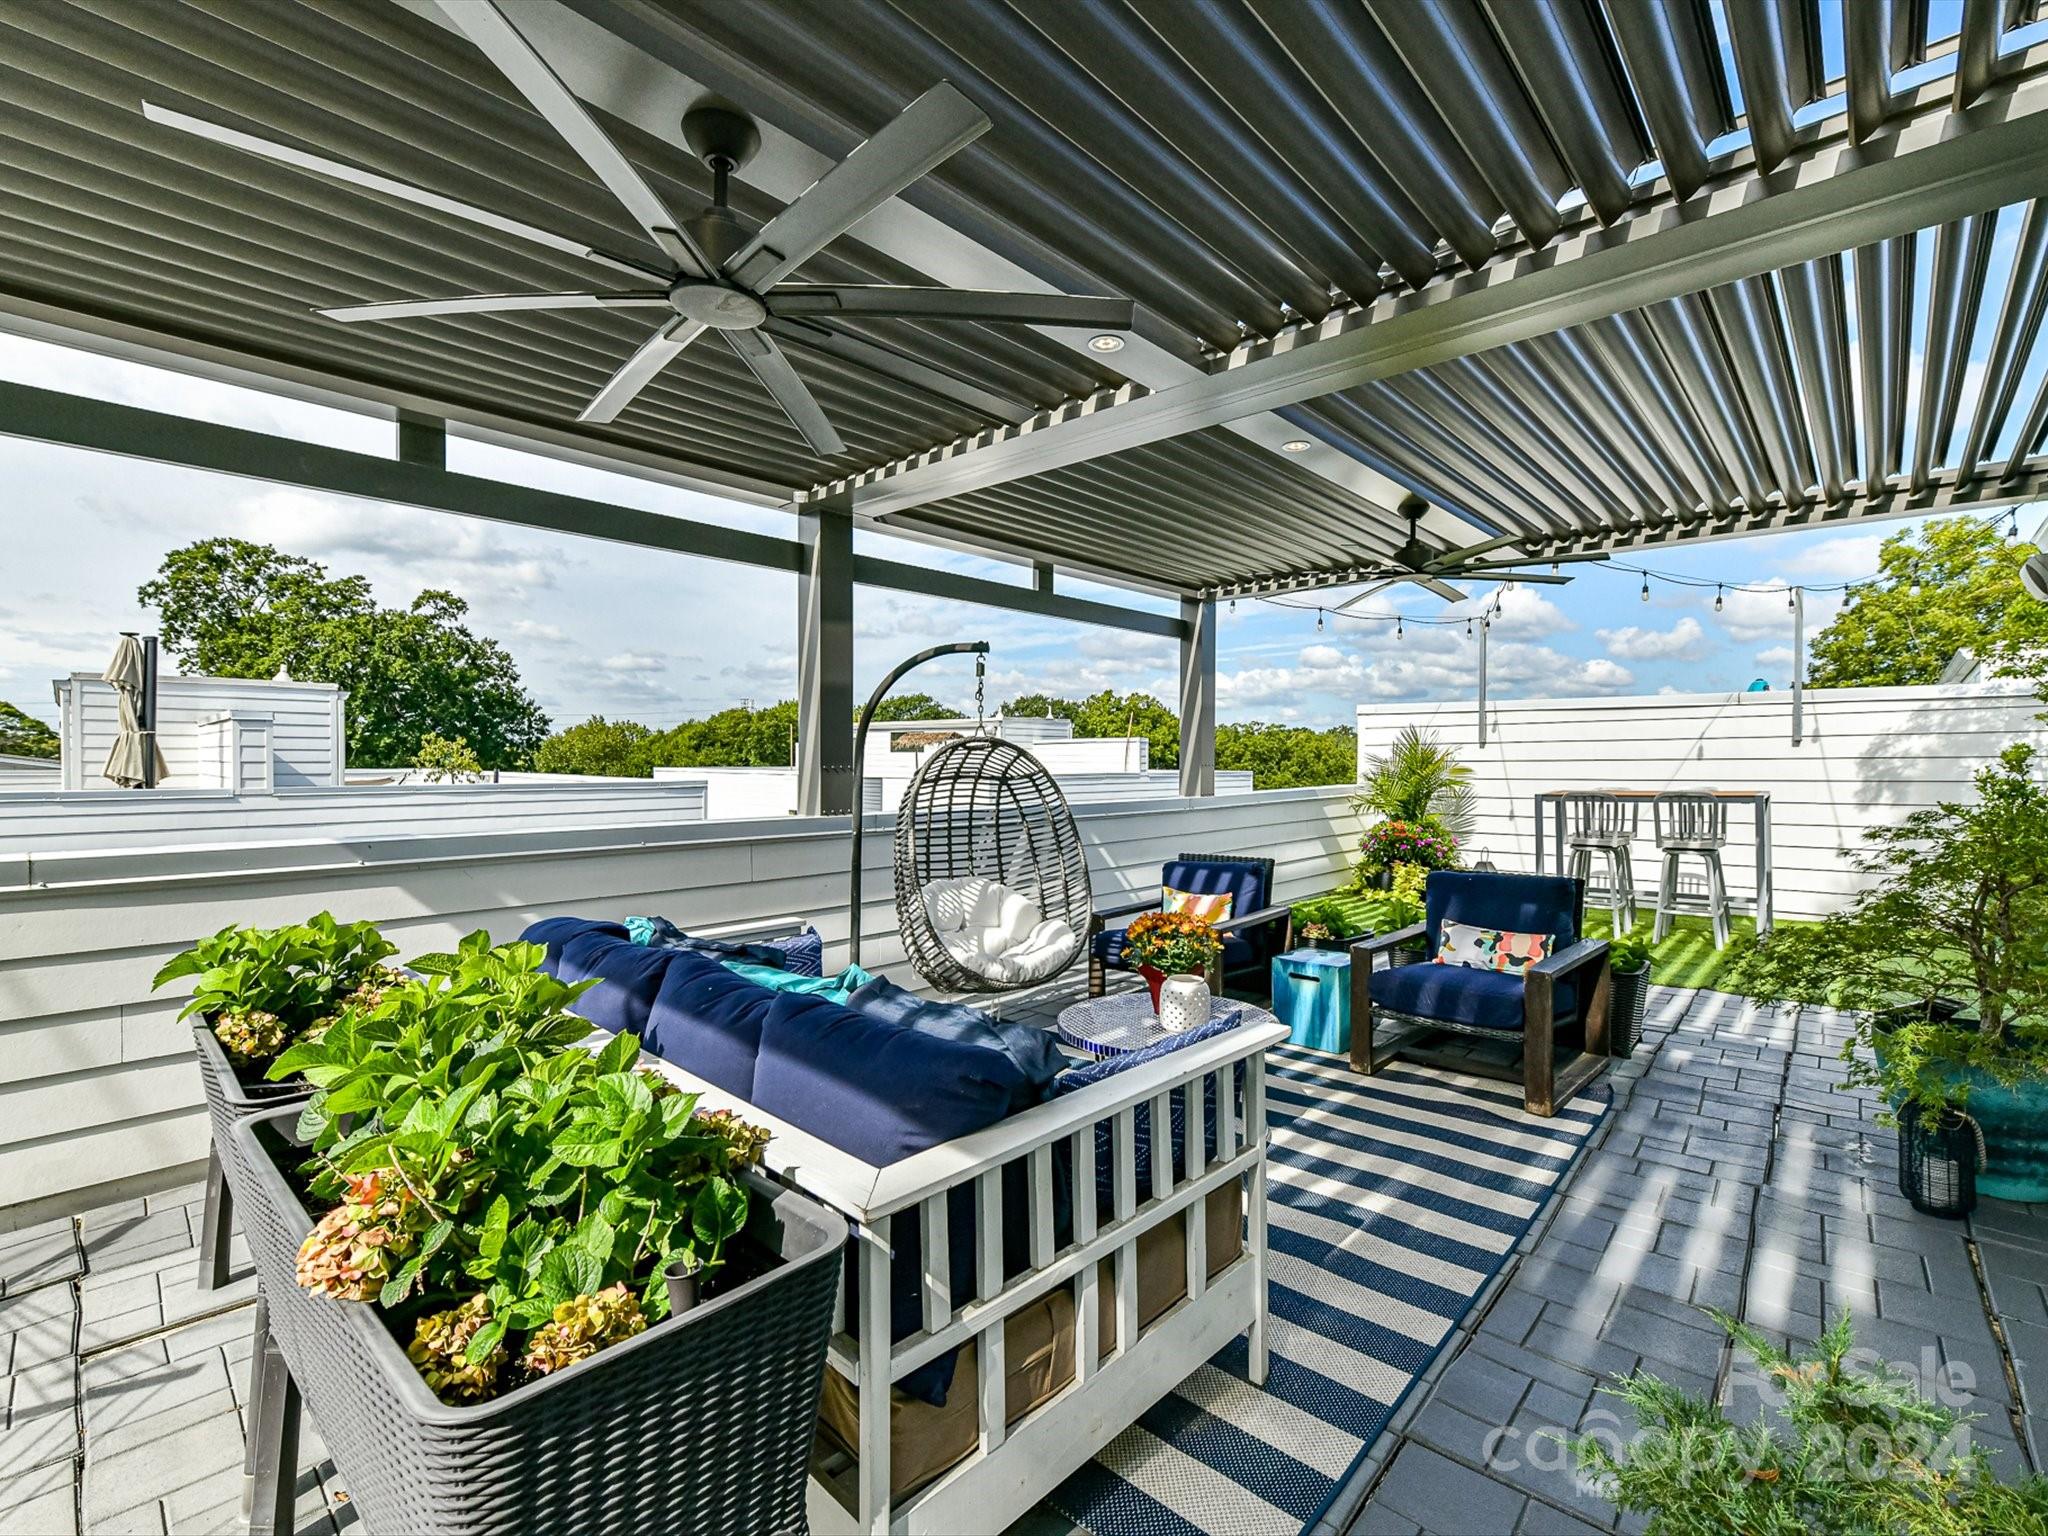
(306, 726)
(39, 825)
(1870, 755)
(30, 772)
(96, 1080)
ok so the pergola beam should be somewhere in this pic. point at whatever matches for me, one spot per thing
(1935, 166)
(1943, 494)
(419, 477)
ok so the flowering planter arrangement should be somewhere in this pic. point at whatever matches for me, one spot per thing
(466, 1238)
(1163, 944)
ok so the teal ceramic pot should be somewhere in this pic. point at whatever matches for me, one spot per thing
(2014, 1122)
(2015, 1126)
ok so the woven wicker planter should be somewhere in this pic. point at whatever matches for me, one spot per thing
(701, 1424)
(229, 1101)
(1627, 1003)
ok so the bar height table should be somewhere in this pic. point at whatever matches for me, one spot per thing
(1758, 801)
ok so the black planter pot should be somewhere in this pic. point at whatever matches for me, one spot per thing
(701, 1424)
(1627, 1001)
(1940, 1157)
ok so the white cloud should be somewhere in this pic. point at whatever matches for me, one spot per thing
(629, 663)
(1774, 656)
(1683, 641)
(1844, 557)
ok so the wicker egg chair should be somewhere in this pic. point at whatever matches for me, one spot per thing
(984, 810)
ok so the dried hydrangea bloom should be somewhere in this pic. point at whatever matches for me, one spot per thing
(440, 1346)
(249, 1035)
(580, 1328)
(358, 1246)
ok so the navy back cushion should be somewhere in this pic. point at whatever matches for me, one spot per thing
(803, 954)
(707, 1020)
(629, 975)
(1033, 1051)
(1509, 903)
(555, 932)
(1247, 885)
(877, 1089)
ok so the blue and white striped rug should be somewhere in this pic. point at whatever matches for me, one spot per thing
(1393, 1200)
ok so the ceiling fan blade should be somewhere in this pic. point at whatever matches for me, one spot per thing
(953, 304)
(875, 358)
(1484, 573)
(493, 303)
(918, 138)
(1372, 591)
(1504, 565)
(485, 23)
(371, 181)
(1442, 589)
(1465, 552)
(772, 368)
(655, 354)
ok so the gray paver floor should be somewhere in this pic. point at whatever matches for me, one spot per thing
(1732, 1173)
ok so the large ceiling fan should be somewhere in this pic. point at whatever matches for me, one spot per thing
(718, 277)
(1436, 568)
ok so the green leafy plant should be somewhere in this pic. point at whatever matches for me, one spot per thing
(1945, 956)
(447, 760)
(1866, 1455)
(1628, 954)
(528, 1193)
(1323, 921)
(263, 987)
(1418, 780)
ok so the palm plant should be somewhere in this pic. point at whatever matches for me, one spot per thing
(1417, 779)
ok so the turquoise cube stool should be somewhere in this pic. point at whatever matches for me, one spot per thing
(1312, 997)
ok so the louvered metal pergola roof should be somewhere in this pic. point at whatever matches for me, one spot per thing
(1597, 272)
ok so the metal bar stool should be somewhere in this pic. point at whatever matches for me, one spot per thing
(1604, 825)
(1697, 825)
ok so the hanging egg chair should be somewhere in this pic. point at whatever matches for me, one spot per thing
(991, 879)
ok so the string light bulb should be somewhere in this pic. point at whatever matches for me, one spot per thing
(1646, 586)
(1717, 597)
(1397, 626)
(1319, 620)
(1233, 605)
(1791, 602)
(1468, 627)
(1553, 567)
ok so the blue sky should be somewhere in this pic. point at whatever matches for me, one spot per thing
(597, 628)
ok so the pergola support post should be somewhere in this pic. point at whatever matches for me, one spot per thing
(1198, 696)
(827, 778)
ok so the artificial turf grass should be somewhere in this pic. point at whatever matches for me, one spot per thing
(1687, 957)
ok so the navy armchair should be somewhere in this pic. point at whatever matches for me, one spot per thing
(1254, 933)
(1562, 995)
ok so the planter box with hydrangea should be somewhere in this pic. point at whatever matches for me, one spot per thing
(470, 1237)
(257, 990)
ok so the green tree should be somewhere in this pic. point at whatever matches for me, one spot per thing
(1109, 713)
(22, 735)
(1288, 756)
(913, 706)
(622, 749)
(732, 738)
(1946, 587)
(445, 761)
(231, 608)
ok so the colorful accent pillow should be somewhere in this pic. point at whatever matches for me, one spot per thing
(1489, 949)
(1211, 908)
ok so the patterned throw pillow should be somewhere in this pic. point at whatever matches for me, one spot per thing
(1210, 909)
(1489, 949)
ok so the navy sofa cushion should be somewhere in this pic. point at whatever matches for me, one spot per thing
(707, 1020)
(876, 1089)
(555, 932)
(629, 975)
(1033, 1051)
(803, 954)
(1511, 903)
(1459, 994)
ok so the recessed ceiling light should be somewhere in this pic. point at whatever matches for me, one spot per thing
(1106, 343)
(1295, 445)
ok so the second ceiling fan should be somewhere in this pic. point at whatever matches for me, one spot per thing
(718, 277)
(1436, 568)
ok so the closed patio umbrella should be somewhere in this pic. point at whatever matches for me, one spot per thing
(136, 762)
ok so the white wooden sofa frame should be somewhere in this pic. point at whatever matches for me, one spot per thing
(1016, 1465)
